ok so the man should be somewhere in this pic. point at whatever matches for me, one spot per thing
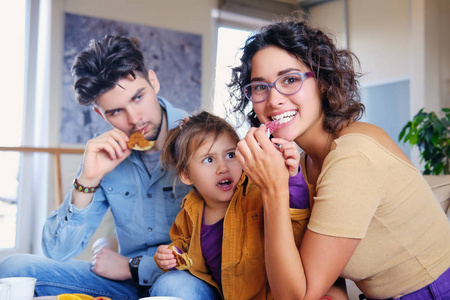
(111, 76)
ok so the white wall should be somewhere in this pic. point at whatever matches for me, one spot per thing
(444, 51)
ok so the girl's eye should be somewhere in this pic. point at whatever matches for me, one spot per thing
(231, 155)
(208, 160)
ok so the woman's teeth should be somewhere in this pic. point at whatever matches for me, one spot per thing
(284, 117)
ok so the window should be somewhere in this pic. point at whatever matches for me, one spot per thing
(11, 116)
(229, 42)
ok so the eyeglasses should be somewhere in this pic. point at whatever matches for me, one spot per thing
(288, 84)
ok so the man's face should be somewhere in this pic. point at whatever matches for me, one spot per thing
(132, 106)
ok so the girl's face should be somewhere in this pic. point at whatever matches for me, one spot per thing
(214, 170)
(298, 112)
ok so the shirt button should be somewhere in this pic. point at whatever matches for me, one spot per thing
(127, 193)
(110, 189)
(162, 169)
(172, 195)
(255, 216)
(145, 281)
(149, 195)
(149, 229)
(70, 210)
(65, 218)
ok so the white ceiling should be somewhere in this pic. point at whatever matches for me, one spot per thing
(266, 9)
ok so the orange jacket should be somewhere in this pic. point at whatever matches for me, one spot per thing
(243, 264)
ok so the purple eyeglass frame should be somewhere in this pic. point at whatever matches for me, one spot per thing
(303, 76)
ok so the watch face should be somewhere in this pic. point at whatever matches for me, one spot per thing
(134, 266)
(135, 261)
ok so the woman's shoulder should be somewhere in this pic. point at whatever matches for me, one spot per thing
(371, 134)
(366, 129)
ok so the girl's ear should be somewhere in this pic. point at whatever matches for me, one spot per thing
(184, 176)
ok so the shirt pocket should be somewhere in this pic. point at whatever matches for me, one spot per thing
(254, 235)
(122, 200)
(173, 198)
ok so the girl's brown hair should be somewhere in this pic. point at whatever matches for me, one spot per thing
(182, 141)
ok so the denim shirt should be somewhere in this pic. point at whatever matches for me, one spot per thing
(143, 207)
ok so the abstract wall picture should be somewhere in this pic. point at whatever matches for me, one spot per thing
(174, 56)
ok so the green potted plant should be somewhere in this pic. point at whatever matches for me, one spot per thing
(432, 135)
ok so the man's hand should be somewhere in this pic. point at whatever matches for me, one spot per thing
(101, 156)
(110, 264)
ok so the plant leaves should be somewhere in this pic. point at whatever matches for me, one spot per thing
(432, 136)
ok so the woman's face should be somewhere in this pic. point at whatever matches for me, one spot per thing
(297, 113)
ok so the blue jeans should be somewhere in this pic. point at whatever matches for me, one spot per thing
(72, 276)
(184, 285)
(75, 276)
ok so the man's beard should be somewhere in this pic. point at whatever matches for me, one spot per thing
(156, 131)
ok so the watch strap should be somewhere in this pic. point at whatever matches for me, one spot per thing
(134, 268)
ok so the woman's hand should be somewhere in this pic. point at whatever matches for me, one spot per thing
(262, 161)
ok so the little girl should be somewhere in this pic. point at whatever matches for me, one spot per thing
(220, 225)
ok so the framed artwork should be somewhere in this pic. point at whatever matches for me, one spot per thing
(174, 56)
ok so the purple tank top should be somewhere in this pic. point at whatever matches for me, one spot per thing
(211, 243)
(298, 191)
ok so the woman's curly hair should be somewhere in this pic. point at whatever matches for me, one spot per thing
(334, 69)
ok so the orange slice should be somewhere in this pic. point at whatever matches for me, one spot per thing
(67, 297)
(84, 296)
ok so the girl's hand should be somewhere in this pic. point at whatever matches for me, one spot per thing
(165, 258)
(290, 153)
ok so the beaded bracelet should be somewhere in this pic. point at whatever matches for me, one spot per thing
(84, 189)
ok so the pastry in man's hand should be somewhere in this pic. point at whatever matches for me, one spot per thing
(183, 260)
(138, 142)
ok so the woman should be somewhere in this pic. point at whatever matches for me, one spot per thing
(374, 219)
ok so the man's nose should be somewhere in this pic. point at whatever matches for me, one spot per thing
(133, 116)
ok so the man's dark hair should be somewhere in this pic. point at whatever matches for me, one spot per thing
(98, 68)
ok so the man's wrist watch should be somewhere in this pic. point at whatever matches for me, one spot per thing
(134, 267)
